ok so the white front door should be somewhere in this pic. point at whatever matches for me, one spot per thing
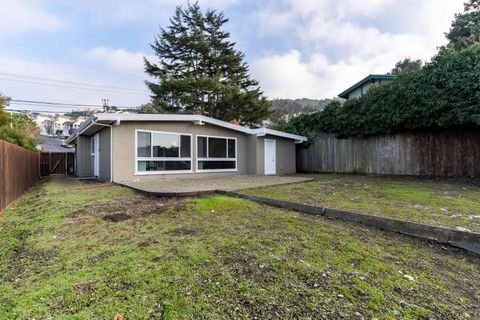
(270, 157)
(96, 155)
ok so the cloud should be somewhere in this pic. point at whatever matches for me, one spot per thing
(120, 59)
(339, 42)
(286, 76)
(19, 16)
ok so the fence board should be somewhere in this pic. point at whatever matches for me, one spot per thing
(453, 153)
(19, 170)
(57, 163)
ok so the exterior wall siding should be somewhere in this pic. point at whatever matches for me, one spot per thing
(124, 152)
(104, 170)
(285, 155)
(84, 163)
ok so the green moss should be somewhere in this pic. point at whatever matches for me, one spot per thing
(214, 257)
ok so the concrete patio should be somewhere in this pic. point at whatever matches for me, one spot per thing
(196, 184)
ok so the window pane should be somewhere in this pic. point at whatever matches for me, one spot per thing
(202, 147)
(165, 145)
(214, 165)
(163, 165)
(217, 148)
(143, 144)
(231, 148)
(185, 150)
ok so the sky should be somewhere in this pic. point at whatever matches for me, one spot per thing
(93, 50)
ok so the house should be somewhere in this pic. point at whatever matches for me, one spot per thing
(51, 124)
(127, 147)
(362, 87)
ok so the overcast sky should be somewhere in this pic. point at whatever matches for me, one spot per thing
(295, 48)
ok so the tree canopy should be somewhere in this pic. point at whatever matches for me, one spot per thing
(407, 65)
(17, 128)
(200, 71)
(465, 29)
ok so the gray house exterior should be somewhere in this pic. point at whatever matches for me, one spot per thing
(362, 86)
(128, 147)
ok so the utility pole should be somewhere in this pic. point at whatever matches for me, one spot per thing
(106, 108)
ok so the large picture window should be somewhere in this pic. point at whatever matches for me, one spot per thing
(160, 152)
(216, 154)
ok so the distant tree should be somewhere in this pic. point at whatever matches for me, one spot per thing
(78, 113)
(465, 29)
(407, 65)
(13, 128)
(147, 108)
(23, 122)
(4, 116)
(200, 71)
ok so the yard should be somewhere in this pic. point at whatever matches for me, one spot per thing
(438, 202)
(75, 250)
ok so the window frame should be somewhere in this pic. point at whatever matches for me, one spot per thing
(179, 134)
(216, 159)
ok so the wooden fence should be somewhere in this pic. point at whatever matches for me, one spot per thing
(57, 163)
(437, 154)
(19, 170)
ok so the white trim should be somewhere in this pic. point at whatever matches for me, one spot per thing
(179, 134)
(197, 119)
(261, 132)
(147, 173)
(265, 156)
(96, 155)
(217, 159)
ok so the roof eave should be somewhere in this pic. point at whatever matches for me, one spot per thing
(345, 93)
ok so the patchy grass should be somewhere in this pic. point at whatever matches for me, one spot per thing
(70, 250)
(438, 202)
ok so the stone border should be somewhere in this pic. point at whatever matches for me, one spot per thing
(469, 241)
(181, 194)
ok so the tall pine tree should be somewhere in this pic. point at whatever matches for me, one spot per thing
(200, 71)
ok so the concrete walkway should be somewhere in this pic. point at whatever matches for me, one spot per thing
(194, 184)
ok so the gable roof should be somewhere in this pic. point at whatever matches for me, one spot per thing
(345, 93)
(96, 121)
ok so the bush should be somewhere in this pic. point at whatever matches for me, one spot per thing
(17, 129)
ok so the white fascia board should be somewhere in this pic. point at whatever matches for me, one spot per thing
(261, 132)
(118, 118)
(171, 117)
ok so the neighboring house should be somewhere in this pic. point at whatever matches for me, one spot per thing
(43, 122)
(362, 87)
(126, 147)
(51, 124)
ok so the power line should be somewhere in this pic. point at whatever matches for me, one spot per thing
(56, 103)
(72, 82)
(36, 52)
(71, 86)
(38, 111)
(62, 104)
